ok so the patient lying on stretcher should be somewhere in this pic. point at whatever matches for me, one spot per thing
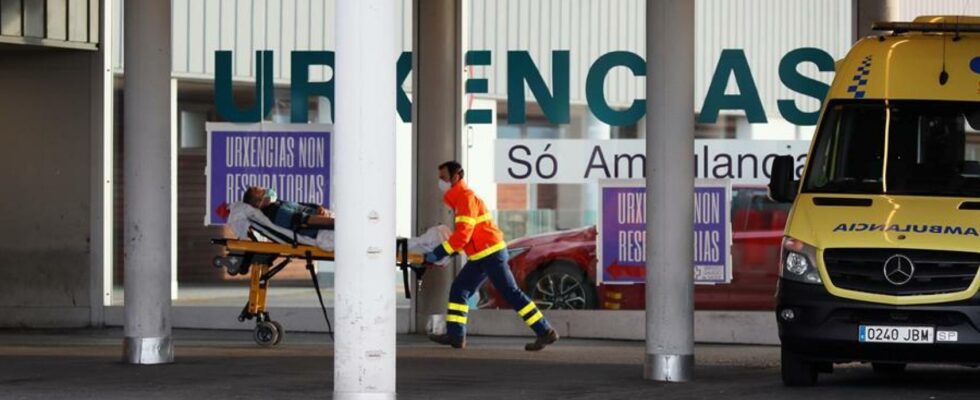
(282, 221)
(311, 224)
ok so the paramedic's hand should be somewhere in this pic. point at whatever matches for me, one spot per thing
(432, 258)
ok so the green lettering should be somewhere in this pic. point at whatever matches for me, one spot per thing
(732, 62)
(796, 82)
(224, 99)
(301, 88)
(595, 88)
(554, 104)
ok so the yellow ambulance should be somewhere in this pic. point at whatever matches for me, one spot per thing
(881, 251)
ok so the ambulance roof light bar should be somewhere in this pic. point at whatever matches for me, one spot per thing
(944, 27)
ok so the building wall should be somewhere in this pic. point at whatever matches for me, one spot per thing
(200, 27)
(766, 29)
(50, 23)
(586, 28)
(909, 9)
(45, 169)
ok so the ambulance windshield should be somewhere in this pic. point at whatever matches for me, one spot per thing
(933, 149)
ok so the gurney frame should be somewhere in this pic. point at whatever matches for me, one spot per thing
(258, 259)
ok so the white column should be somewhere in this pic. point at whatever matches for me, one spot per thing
(364, 199)
(670, 189)
(174, 148)
(102, 165)
(147, 187)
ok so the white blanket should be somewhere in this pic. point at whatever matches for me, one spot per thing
(243, 216)
(432, 237)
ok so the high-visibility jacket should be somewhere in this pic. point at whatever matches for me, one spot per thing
(475, 233)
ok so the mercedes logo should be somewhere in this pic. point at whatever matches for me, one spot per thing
(899, 270)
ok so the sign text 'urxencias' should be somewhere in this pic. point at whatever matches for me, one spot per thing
(732, 69)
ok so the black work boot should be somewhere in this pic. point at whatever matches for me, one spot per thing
(542, 341)
(448, 340)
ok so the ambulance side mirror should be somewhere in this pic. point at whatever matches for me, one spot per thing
(782, 186)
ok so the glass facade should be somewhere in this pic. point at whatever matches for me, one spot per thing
(562, 215)
(748, 99)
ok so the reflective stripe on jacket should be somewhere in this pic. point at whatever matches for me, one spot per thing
(475, 233)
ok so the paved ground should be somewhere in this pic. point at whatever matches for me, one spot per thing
(227, 365)
(282, 294)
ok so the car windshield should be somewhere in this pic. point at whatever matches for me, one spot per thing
(933, 148)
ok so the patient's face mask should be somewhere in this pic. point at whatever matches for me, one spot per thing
(444, 186)
(270, 194)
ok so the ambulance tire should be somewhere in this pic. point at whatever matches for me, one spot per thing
(567, 276)
(266, 334)
(796, 371)
(888, 368)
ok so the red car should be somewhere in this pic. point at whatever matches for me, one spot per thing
(558, 270)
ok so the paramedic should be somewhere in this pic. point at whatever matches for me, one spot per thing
(478, 236)
(304, 218)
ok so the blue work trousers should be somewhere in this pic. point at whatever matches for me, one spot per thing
(474, 273)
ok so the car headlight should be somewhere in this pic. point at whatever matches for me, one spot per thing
(797, 262)
(516, 251)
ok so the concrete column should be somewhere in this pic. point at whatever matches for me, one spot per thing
(866, 12)
(670, 189)
(364, 199)
(147, 188)
(436, 125)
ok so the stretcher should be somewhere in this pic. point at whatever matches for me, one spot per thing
(262, 260)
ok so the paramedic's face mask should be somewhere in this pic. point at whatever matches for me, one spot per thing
(444, 180)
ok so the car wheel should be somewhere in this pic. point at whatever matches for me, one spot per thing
(562, 286)
(796, 371)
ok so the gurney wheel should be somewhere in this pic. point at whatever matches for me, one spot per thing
(267, 334)
(282, 332)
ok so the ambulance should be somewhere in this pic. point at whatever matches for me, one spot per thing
(880, 256)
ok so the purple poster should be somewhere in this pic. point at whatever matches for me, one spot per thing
(711, 234)
(622, 232)
(296, 163)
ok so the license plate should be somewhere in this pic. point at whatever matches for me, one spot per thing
(896, 334)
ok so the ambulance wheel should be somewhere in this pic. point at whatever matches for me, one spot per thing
(797, 371)
(888, 368)
(282, 332)
(267, 334)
